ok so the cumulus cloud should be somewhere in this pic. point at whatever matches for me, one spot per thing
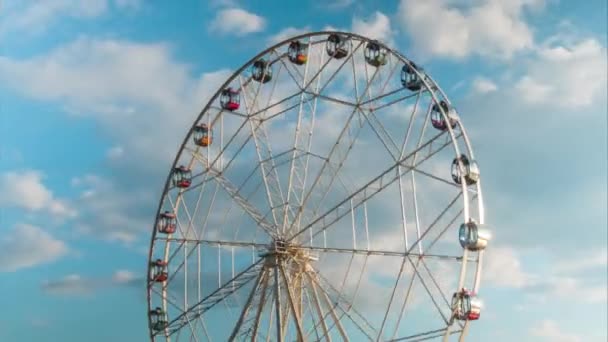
(25, 189)
(39, 15)
(36, 17)
(287, 33)
(115, 152)
(28, 246)
(594, 260)
(447, 29)
(550, 330)
(503, 267)
(377, 26)
(77, 285)
(566, 74)
(237, 22)
(138, 88)
(482, 85)
(112, 213)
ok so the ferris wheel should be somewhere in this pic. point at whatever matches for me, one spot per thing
(327, 192)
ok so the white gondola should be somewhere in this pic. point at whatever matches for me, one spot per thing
(409, 79)
(337, 46)
(375, 54)
(261, 71)
(466, 306)
(158, 319)
(469, 170)
(473, 237)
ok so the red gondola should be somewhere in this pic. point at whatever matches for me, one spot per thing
(182, 177)
(159, 271)
(437, 118)
(230, 99)
(166, 223)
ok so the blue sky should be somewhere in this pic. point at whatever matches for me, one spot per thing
(96, 96)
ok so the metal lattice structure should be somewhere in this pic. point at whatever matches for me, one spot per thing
(327, 191)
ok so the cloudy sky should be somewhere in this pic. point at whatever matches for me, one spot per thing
(97, 95)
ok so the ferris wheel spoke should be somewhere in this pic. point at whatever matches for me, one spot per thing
(326, 162)
(372, 252)
(247, 306)
(331, 99)
(428, 291)
(276, 104)
(385, 95)
(330, 308)
(391, 299)
(345, 306)
(331, 77)
(429, 335)
(230, 112)
(268, 169)
(339, 150)
(385, 138)
(280, 57)
(224, 243)
(233, 191)
(435, 283)
(366, 192)
(218, 296)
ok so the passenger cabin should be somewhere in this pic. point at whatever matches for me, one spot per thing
(261, 71)
(230, 99)
(469, 170)
(158, 319)
(473, 237)
(297, 53)
(202, 135)
(337, 46)
(166, 223)
(410, 79)
(437, 118)
(159, 271)
(465, 306)
(375, 54)
(182, 177)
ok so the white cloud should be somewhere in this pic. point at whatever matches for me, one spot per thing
(378, 26)
(112, 213)
(115, 152)
(77, 285)
(550, 331)
(483, 85)
(337, 4)
(123, 277)
(287, 33)
(137, 86)
(37, 16)
(28, 246)
(490, 28)
(502, 267)
(24, 189)
(566, 74)
(237, 22)
(128, 4)
(593, 260)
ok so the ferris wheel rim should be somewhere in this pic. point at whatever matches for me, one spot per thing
(430, 84)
